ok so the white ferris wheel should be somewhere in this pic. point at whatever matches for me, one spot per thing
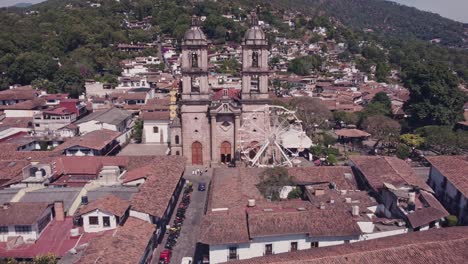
(271, 136)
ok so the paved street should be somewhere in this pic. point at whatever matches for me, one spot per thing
(190, 231)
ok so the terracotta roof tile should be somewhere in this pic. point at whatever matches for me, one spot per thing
(379, 170)
(110, 204)
(127, 244)
(21, 213)
(445, 245)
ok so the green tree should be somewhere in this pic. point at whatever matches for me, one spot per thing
(138, 130)
(412, 140)
(403, 151)
(305, 65)
(272, 180)
(382, 71)
(331, 159)
(30, 66)
(435, 98)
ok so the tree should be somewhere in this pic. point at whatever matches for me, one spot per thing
(443, 139)
(382, 97)
(138, 130)
(30, 66)
(312, 112)
(305, 65)
(412, 140)
(403, 151)
(46, 259)
(272, 180)
(382, 71)
(435, 98)
(349, 118)
(331, 159)
(383, 129)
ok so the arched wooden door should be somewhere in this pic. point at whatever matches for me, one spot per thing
(197, 153)
(226, 152)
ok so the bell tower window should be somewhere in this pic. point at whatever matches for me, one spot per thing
(255, 59)
(255, 83)
(195, 84)
(194, 60)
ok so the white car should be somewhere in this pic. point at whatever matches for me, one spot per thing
(186, 260)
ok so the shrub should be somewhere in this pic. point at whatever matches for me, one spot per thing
(403, 151)
(452, 220)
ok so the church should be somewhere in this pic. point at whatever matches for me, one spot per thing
(207, 130)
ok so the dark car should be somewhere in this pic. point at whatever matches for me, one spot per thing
(202, 187)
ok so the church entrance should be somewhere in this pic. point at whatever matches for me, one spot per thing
(197, 153)
(225, 152)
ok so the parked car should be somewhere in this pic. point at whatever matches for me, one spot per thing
(186, 260)
(202, 187)
(165, 256)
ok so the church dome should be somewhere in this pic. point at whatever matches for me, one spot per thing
(254, 33)
(194, 33)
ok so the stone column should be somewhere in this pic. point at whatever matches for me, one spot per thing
(213, 139)
(236, 132)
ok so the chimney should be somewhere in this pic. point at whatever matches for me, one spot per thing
(5, 206)
(412, 197)
(38, 174)
(251, 203)
(355, 210)
(59, 211)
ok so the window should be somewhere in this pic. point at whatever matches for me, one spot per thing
(232, 252)
(3, 229)
(293, 246)
(177, 153)
(346, 241)
(106, 221)
(194, 60)
(42, 223)
(177, 139)
(23, 229)
(255, 59)
(93, 220)
(314, 244)
(268, 249)
(155, 130)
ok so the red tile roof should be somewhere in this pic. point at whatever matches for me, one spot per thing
(157, 191)
(231, 94)
(127, 244)
(342, 176)
(156, 116)
(445, 245)
(379, 170)
(351, 133)
(110, 204)
(21, 213)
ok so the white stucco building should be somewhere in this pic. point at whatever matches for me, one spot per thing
(103, 214)
(156, 127)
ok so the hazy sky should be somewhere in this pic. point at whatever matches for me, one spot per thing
(13, 2)
(453, 9)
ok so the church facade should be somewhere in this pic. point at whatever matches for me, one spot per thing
(208, 130)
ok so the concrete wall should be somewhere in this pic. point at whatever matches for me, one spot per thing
(21, 113)
(280, 244)
(455, 202)
(163, 135)
(100, 227)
